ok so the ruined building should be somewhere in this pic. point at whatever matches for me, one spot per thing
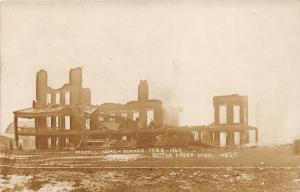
(58, 114)
(234, 119)
(65, 117)
(147, 111)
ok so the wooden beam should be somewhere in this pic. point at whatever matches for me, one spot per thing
(256, 136)
(35, 135)
(16, 130)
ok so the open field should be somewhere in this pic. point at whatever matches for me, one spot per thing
(248, 169)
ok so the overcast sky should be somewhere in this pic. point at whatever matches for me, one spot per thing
(189, 51)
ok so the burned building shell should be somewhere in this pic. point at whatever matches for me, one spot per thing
(147, 111)
(54, 111)
(65, 117)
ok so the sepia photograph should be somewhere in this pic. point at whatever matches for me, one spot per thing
(149, 95)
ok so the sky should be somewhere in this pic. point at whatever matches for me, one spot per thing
(189, 51)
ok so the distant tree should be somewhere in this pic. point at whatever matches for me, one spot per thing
(81, 120)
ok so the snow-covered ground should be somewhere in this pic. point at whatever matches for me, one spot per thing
(144, 180)
(122, 157)
(14, 182)
(57, 187)
(261, 169)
